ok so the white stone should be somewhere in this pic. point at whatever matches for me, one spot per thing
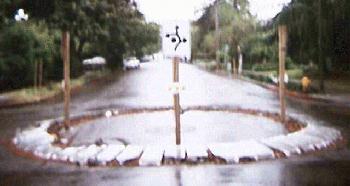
(69, 153)
(176, 152)
(233, 152)
(278, 143)
(131, 152)
(88, 153)
(109, 153)
(195, 152)
(152, 155)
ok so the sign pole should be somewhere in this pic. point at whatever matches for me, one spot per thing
(282, 35)
(177, 107)
(177, 44)
(66, 64)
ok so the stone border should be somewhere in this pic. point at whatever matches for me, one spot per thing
(44, 142)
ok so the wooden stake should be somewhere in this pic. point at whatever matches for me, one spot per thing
(177, 107)
(282, 35)
(66, 73)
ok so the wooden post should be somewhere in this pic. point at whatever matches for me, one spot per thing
(282, 35)
(177, 107)
(66, 74)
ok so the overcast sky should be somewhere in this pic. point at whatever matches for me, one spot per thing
(160, 10)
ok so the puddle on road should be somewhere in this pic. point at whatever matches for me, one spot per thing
(158, 128)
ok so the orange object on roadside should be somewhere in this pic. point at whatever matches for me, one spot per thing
(305, 83)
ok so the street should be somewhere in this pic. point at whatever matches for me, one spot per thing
(148, 87)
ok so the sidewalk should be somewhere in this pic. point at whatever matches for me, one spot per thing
(335, 99)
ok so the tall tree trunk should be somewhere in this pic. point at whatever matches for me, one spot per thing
(80, 49)
(35, 74)
(40, 73)
(321, 61)
(217, 35)
(240, 60)
(235, 4)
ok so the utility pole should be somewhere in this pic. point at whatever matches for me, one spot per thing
(234, 61)
(217, 35)
(282, 38)
(320, 57)
(66, 74)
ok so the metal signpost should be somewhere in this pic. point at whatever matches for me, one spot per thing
(176, 44)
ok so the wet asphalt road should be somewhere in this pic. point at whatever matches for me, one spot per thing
(147, 87)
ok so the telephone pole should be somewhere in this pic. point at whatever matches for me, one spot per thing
(320, 57)
(217, 35)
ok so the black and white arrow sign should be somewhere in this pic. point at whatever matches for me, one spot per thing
(176, 39)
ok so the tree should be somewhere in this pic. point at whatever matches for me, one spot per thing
(110, 28)
(324, 42)
(20, 47)
(235, 23)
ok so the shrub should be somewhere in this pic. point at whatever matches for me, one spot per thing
(17, 45)
(265, 67)
(20, 47)
(290, 64)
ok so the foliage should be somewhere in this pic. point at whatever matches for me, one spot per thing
(309, 20)
(108, 28)
(261, 47)
(20, 47)
(235, 23)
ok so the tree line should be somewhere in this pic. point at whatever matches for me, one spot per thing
(113, 29)
(318, 35)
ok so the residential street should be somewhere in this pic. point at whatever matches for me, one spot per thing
(148, 88)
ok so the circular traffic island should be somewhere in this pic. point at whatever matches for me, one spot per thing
(146, 137)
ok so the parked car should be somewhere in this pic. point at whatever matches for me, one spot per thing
(131, 63)
(96, 63)
(147, 58)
